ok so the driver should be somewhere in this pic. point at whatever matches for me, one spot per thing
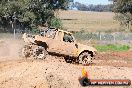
(67, 38)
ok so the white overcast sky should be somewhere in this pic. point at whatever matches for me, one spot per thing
(95, 2)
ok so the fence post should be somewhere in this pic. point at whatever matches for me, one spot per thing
(14, 33)
(114, 37)
(100, 36)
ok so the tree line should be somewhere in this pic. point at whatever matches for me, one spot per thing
(121, 8)
(28, 14)
(91, 7)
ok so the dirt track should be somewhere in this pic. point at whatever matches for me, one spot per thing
(54, 72)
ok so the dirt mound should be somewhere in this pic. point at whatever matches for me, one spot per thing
(54, 74)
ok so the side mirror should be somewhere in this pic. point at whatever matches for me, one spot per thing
(76, 45)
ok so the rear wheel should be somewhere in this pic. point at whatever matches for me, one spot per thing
(85, 58)
(39, 52)
(26, 51)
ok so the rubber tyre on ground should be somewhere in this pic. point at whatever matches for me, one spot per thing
(39, 53)
(85, 58)
(26, 51)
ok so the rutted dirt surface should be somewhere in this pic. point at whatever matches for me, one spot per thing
(117, 59)
(54, 72)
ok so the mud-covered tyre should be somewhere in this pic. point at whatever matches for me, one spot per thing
(25, 51)
(85, 58)
(39, 53)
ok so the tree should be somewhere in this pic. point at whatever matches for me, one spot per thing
(27, 14)
(123, 10)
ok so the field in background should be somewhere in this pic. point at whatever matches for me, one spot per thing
(90, 21)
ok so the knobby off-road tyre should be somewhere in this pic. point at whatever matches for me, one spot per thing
(39, 53)
(85, 58)
(26, 51)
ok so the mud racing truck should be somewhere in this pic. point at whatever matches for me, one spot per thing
(59, 42)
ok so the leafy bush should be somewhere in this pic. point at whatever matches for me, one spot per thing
(56, 23)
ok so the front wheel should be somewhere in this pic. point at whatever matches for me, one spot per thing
(85, 58)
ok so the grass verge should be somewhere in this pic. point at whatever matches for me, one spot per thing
(111, 47)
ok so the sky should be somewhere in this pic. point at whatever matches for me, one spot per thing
(95, 2)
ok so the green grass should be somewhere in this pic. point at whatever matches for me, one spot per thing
(111, 47)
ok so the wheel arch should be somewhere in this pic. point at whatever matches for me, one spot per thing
(43, 44)
(90, 52)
